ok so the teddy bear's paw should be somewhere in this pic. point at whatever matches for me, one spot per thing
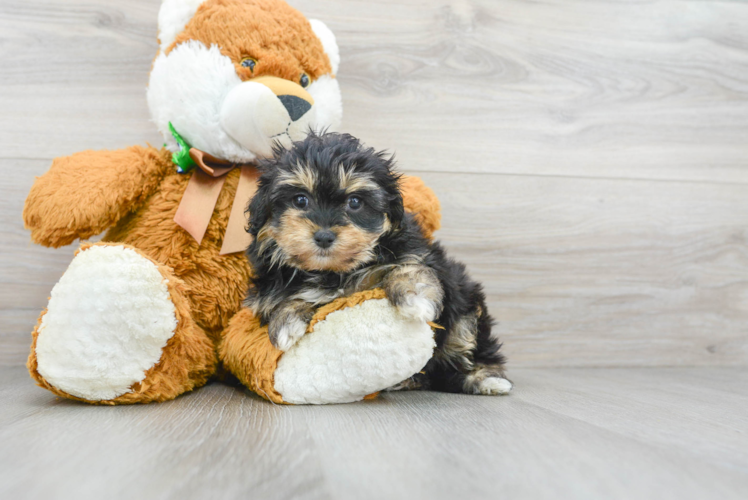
(284, 333)
(108, 320)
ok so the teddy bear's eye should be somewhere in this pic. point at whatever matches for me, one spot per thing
(304, 80)
(250, 63)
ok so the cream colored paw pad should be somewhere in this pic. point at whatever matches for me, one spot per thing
(352, 353)
(108, 319)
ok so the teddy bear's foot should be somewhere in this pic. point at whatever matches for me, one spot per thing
(118, 330)
(354, 347)
(352, 353)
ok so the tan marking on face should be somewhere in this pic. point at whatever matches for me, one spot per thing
(265, 238)
(353, 246)
(295, 235)
(276, 35)
(386, 225)
(301, 177)
(352, 181)
(357, 245)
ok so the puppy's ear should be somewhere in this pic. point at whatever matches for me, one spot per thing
(259, 208)
(396, 210)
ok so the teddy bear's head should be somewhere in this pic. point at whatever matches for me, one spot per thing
(234, 76)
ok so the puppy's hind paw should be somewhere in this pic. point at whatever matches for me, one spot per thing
(494, 386)
(488, 381)
(285, 335)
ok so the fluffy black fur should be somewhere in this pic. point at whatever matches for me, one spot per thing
(467, 353)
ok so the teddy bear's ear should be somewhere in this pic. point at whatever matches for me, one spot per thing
(173, 17)
(328, 43)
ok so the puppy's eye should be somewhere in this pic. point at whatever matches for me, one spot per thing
(249, 62)
(300, 201)
(304, 80)
(355, 203)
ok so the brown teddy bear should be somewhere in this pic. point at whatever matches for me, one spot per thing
(153, 309)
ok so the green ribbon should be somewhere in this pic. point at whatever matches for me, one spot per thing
(181, 158)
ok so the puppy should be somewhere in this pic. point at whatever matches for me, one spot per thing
(328, 221)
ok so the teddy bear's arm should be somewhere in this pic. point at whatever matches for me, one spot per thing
(421, 201)
(83, 194)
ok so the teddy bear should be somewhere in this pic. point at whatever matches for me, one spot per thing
(154, 309)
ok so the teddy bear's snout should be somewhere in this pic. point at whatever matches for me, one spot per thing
(266, 109)
(293, 96)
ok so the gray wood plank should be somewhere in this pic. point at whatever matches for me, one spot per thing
(219, 442)
(646, 89)
(74, 75)
(579, 272)
(15, 335)
(652, 89)
(604, 272)
(564, 433)
(447, 446)
(703, 412)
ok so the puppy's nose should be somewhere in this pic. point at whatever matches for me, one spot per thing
(324, 238)
(296, 106)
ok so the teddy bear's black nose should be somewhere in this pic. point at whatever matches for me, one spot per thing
(296, 106)
(324, 238)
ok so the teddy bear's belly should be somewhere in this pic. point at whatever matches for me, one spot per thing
(217, 283)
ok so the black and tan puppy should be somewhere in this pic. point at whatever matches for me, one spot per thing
(328, 221)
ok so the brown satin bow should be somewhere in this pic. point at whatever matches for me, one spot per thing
(199, 199)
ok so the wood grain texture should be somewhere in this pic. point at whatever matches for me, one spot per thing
(591, 157)
(651, 89)
(600, 272)
(563, 433)
(645, 89)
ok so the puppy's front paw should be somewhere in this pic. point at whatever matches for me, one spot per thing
(418, 304)
(285, 333)
(416, 292)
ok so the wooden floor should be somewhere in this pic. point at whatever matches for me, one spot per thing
(642, 433)
(591, 157)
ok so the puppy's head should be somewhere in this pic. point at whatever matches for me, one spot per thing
(323, 204)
